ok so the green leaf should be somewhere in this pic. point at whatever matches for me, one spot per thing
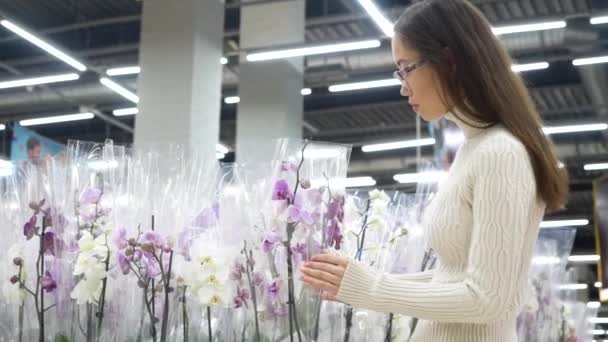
(61, 338)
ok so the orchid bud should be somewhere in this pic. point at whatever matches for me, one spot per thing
(129, 251)
(147, 247)
(18, 261)
(14, 279)
(132, 242)
(305, 184)
(34, 205)
(141, 284)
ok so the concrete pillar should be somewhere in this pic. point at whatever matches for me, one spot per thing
(181, 75)
(271, 103)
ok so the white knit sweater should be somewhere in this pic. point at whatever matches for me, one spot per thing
(482, 224)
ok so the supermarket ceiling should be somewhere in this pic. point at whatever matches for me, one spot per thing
(105, 33)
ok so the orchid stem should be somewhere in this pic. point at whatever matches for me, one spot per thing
(167, 281)
(358, 256)
(249, 257)
(102, 300)
(185, 315)
(209, 331)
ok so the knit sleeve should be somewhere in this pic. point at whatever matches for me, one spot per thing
(505, 207)
(424, 277)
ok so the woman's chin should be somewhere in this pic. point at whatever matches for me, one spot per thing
(428, 117)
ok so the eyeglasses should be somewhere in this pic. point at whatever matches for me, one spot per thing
(404, 73)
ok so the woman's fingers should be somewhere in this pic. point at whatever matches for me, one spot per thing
(337, 271)
(331, 259)
(322, 275)
(319, 284)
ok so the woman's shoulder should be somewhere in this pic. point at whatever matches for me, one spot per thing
(499, 140)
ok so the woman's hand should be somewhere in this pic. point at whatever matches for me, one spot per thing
(325, 272)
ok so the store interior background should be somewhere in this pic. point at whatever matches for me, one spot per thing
(188, 67)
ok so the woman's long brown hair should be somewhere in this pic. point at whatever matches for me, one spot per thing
(476, 79)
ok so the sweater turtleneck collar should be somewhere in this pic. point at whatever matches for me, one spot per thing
(469, 127)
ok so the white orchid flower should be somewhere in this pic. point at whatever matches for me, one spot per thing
(87, 290)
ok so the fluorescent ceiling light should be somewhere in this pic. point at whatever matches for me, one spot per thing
(125, 111)
(398, 145)
(564, 223)
(422, 177)
(591, 60)
(38, 80)
(2, 127)
(364, 85)
(43, 45)
(101, 165)
(221, 148)
(529, 27)
(596, 332)
(223, 60)
(232, 100)
(130, 70)
(129, 95)
(594, 305)
(312, 50)
(575, 128)
(584, 258)
(306, 91)
(374, 12)
(598, 284)
(573, 287)
(357, 182)
(56, 119)
(592, 167)
(529, 66)
(219, 155)
(598, 320)
(599, 20)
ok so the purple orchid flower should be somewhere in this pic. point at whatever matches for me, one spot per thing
(294, 213)
(48, 283)
(299, 249)
(154, 239)
(29, 229)
(334, 235)
(236, 271)
(137, 254)
(288, 166)
(152, 267)
(48, 243)
(87, 219)
(281, 191)
(89, 196)
(241, 298)
(123, 263)
(270, 239)
(258, 279)
(119, 238)
(273, 290)
(332, 209)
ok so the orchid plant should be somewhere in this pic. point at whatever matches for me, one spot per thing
(45, 281)
(149, 257)
(93, 261)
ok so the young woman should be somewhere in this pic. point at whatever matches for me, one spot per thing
(484, 221)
